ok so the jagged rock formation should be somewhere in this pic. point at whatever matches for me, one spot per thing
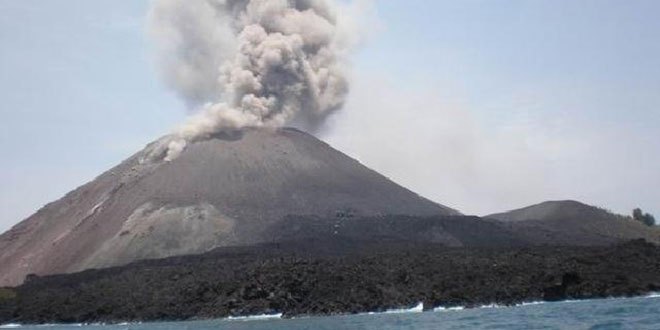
(297, 281)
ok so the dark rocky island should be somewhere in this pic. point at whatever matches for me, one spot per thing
(325, 277)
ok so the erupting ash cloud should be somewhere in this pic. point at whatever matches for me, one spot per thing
(251, 62)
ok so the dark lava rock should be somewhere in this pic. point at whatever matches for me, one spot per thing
(331, 277)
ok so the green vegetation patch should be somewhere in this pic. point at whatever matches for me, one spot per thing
(6, 294)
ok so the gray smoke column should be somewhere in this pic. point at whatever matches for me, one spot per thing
(250, 63)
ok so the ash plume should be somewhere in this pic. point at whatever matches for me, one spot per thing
(250, 63)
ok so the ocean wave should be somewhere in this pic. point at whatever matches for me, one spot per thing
(416, 309)
(460, 308)
(51, 325)
(448, 309)
(260, 317)
(653, 295)
(54, 325)
(533, 303)
(487, 306)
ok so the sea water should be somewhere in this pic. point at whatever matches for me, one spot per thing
(632, 313)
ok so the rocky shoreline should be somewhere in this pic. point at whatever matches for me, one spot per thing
(328, 278)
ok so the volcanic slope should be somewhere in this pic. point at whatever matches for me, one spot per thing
(573, 223)
(231, 189)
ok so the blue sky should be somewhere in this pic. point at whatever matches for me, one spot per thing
(479, 105)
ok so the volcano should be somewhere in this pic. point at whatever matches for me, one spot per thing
(574, 223)
(231, 189)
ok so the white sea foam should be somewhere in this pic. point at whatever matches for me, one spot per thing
(460, 308)
(417, 309)
(448, 309)
(532, 303)
(255, 317)
(10, 326)
(491, 306)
